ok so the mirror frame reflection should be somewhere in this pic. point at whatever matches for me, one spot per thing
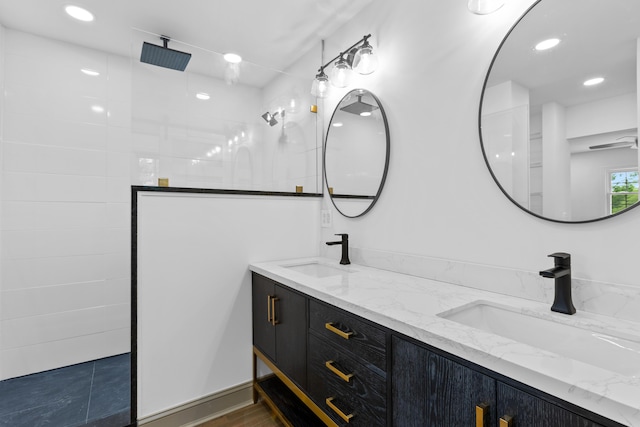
(351, 197)
(486, 149)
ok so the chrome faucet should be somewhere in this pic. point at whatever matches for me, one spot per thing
(562, 274)
(345, 248)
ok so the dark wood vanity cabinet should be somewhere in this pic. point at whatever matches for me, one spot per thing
(349, 371)
(280, 327)
(531, 411)
(347, 367)
(429, 389)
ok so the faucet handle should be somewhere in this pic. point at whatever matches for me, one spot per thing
(560, 255)
(562, 259)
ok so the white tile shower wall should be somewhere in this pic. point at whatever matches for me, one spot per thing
(65, 203)
(222, 142)
(621, 301)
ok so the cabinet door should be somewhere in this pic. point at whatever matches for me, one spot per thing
(531, 411)
(291, 334)
(409, 382)
(431, 390)
(264, 334)
(455, 391)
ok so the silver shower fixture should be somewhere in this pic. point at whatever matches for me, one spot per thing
(271, 118)
(162, 56)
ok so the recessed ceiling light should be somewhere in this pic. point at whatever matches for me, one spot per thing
(90, 72)
(338, 124)
(202, 95)
(79, 13)
(232, 58)
(594, 81)
(547, 44)
(97, 108)
(365, 113)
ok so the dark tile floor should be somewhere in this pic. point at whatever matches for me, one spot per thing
(95, 394)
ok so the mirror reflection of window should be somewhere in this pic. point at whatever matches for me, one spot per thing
(623, 189)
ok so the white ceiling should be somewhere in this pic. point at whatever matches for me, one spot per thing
(272, 34)
(599, 38)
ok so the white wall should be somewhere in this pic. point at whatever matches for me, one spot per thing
(433, 61)
(65, 191)
(194, 287)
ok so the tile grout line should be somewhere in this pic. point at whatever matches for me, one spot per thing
(93, 374)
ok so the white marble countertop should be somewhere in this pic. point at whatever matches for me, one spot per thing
(410, 305)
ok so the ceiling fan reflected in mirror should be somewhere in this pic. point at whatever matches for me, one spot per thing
(629, 142)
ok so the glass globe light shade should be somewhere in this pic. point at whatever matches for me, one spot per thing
(320, 86)
(341, 73)
(484, 7)
(364, 61)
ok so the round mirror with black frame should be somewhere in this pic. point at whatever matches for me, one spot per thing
(558, 115)
(356, 153)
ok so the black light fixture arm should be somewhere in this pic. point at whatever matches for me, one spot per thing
(363, 40)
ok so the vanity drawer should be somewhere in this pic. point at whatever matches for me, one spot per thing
(367, 343)
(354, 389)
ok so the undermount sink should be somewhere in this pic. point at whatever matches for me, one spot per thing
(596, 348)
(315, 269)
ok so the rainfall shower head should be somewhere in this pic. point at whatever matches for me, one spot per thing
(162, 56)
(359, 107)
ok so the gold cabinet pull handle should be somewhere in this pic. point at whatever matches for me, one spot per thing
(335, 409)
(337, 331)
(506, 421)
(274, 322)
(269, 308)
(338, 372)
(482, 413)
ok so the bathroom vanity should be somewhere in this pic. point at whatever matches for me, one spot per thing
(360, 346)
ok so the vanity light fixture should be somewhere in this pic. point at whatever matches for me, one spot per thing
(594, 81)
(79, 13)
(484, 7)
(547, 44)
(358, 57)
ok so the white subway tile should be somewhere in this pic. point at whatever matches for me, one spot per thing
(46, 187)
(118, 240)
(20, 274)
(47, 104)
(118, 265)
(52, 132)
(51, 299)
(56, 354)
(58, 77)
(18, 215)
(118, 291)
(119, 113)
(118, 189)
(50, 243)
(32, 330)
(53, 160)
(119, 139)
(119, 215)
(118, 164)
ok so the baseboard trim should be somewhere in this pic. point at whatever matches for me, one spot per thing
(203, 409)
